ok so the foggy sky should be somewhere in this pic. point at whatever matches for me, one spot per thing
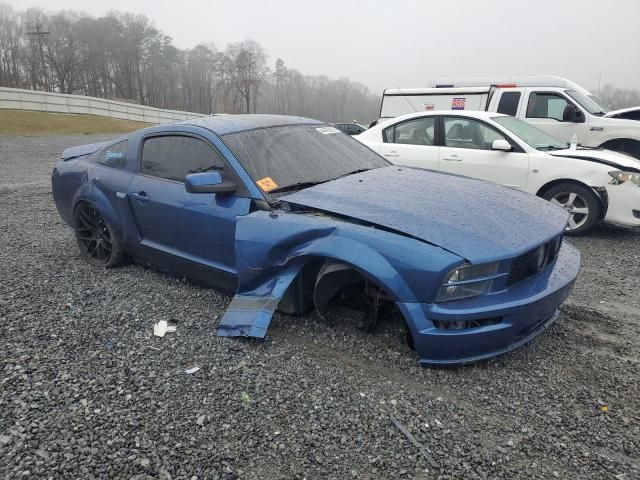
(404, 43)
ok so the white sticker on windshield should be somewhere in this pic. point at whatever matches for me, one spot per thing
(327, 130)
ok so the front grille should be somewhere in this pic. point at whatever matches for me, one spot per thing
(534, 261)
(466, 324)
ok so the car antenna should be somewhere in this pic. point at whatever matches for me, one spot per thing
(405, 97)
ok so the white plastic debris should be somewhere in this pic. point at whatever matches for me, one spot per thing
(162, 327)
(191, 370)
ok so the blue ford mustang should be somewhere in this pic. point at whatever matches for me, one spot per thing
(291, 214)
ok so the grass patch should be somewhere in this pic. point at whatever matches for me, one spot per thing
(20, 122)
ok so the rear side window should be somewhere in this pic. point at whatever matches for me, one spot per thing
(413, 132)
(174, 157)
(114, 156)
(509, 103)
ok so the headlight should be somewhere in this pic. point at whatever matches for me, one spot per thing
(621, 177)
(467, 281)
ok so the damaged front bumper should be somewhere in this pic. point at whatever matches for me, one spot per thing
(623, 204)
(511, 317)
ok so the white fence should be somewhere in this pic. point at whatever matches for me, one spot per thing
(17, 99)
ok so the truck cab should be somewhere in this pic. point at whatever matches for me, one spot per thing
(555, 105)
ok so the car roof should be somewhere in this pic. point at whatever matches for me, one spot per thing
(458, 113)
(387, 122)
(227, 124)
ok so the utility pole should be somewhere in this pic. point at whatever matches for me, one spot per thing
(40, 34)
(600, 85)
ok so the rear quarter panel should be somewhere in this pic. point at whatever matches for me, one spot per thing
(83, 179)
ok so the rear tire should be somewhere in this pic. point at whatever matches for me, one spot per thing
(98, 243)
(582, 204)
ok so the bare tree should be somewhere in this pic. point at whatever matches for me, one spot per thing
(248, 69)
(616, 98)
(123, 56)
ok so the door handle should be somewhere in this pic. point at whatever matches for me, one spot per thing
(140, 196)
(453, 158)
(392, 154)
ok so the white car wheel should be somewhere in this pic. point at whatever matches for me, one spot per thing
(580, 202)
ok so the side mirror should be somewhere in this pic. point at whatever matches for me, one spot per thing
(208, 182)
(501, 145)
(573, 114)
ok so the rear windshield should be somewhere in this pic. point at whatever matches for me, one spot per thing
(285, 158)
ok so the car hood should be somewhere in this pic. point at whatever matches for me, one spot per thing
(615, 160)
(477, 220)
(622, 110)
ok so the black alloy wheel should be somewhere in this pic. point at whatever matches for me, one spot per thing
(96, 239)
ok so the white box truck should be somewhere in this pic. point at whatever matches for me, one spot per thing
(556, 105)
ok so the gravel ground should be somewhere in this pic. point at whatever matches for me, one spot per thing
(88, 392)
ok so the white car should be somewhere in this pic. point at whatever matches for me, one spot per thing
(555, 105)
(591, 184)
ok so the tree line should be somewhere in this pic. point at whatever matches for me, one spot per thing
(123, 56)
(616, 98)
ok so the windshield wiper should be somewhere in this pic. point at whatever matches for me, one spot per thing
(546, 148)
(296, 186)
(360, 170)
(301, 185)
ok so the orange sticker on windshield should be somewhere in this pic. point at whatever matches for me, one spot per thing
(267, 184)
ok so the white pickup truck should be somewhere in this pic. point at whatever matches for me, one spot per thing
(556, 105)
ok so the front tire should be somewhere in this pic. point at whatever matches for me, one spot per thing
(98, 243)
(582, 204)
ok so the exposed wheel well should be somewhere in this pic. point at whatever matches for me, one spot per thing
(80, 202)
(322, 280)
(600, 195)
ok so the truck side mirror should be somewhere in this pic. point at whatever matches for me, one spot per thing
(573, 114)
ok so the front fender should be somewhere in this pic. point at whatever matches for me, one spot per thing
(606, 132)
(272, 248)
(592, 178)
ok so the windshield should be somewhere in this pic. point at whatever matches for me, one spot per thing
(599, 101)
(530, 134)
(292, 157)
(587, 103)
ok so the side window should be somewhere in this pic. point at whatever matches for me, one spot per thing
(114, 156)
(546, 105)
(509, 103)
(414, 132)
(469, 133)
(174, 157)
